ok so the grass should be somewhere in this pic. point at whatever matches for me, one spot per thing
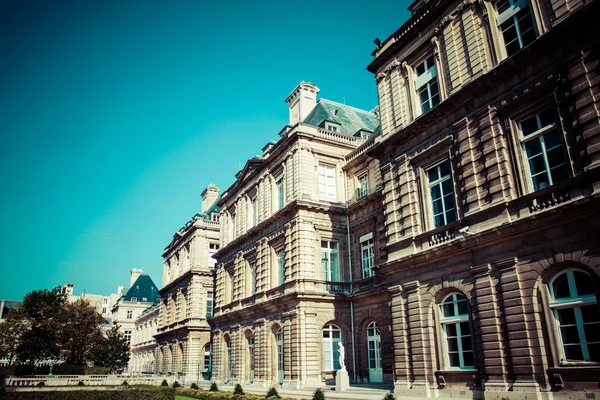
(179, 397)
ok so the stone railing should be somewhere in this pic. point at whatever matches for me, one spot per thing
(73, 380)
(360, 150)
(367, 284)
(549, 197)
(338, 137)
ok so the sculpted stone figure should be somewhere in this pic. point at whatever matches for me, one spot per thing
(342, 356)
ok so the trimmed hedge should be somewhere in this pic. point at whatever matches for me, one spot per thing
(138, 393)
(207, 395)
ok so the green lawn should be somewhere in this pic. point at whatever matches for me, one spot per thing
(179, 397)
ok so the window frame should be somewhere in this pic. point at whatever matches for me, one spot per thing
(370, 250)
(324, 179)
(515, 7)
(279, 181)
(426, 79)
(456, 320)
(328, 272)
(363, 185)
(330, 362)
(575, 303)
(279, 265)
(430, 212)
(210, 304)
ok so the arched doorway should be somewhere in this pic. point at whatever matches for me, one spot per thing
(279, 354)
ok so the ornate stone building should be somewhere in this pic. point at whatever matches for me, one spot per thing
(143, 344)
(187, 295)
(285, 273)
(489, 162)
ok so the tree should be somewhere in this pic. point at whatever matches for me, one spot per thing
(79, 329)
(112, 351)
(11, 332)
(40, 307)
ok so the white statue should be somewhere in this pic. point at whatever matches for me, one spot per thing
(342, 356)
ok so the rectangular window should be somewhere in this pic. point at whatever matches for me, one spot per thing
(330, 261)
(327, 182)
(367, 256)
(253, 278)
(129, 314)
(103, 310)
(212, 249)
(210, 304)
(426, 84)
(332, 127)
(363, 187)
(127, 336)
(442, 194)
(280, 191)
(233, 232)
(134, 299)
(281, 266)
(214, 217)
(515, 22)
(544, 149)
(253, 211)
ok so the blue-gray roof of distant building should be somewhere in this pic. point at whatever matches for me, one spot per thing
(351, 119)
(142, 288)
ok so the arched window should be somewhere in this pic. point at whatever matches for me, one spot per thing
(279, 355)
(207, 372)
(251, 357)
(574, 305)
(457, 331)
(332, 337)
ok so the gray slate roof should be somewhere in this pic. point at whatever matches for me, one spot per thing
(351, 119)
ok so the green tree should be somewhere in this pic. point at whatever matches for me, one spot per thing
(11, 332)
(79, 327)
(40, 307)
(112, 351)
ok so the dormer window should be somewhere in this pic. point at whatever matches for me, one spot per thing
(332, 127)
(214, 217)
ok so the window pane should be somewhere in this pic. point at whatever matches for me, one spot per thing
(590, 313)
(502, 6)
(450, 330)
(560, 287)
(529, 126)
(547, 117)
(452, 344)
(435, 93)
(466, 343)
(526, 26)
(573, 352)
(592, 332)
(559, 174)
(437, 207)
(570, 334)
(436, 192)
(468, 357)
(566, 316)
(594, 350)
(454, 360)
(462, 307)
(449, 203)
(465, 329)
(584, 284)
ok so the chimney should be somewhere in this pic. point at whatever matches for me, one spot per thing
(302, 101)
(120, 290)
(67, 289)
(209, 195)
(135, 273)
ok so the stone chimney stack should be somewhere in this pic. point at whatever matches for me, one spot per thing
(209, 195)
(135, 273)
(302, 101)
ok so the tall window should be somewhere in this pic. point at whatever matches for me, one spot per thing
(332, 337)
(544, 149)
(330, 260)
(252, 271)
(515, 23)
(457, 331)
(280, 191)
(280, 266)
(212, 249)
(280, 355)
(574, 304)
(251, 356)
(363, 186)
(207, 372)
(233, 227)
(442, 194)
(210, 304)
(229, 360)
(426, 84)
(129, 314)
(252, 212)
(327, 182)
(127, 336)
(366, 254)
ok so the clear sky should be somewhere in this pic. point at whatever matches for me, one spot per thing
(116, 114)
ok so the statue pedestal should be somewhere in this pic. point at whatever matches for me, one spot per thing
(342, 380)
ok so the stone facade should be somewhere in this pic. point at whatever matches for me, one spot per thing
(186, 297)
(488, 157)
(143, 344)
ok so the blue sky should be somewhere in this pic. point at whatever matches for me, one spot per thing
(115, 115)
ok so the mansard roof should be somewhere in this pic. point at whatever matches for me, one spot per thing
(142, 288)
(351, 119)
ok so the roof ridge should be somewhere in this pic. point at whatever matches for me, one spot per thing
(345, 105)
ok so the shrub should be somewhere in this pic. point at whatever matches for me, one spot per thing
(97, 371)
(194, 386)
(389, 396)
(125, 383)
(164, 383)
(40, 384)
(272, 392)
(176, 384)
(238, 389)
(138, 393)
(213, 387)
(318, 395)
(80, 383)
